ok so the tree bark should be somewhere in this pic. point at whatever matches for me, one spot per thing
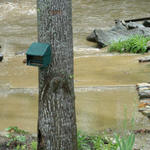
(57, 119)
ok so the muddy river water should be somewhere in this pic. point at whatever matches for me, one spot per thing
(104, 83)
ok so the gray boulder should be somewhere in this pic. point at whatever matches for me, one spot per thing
(1, 57)
(121, 31)
(146, 23)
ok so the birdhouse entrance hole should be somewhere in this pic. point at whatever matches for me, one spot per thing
(35, 60)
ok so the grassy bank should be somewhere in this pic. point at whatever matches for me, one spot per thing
(135, 44)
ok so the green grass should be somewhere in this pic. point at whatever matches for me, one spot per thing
(135, 44)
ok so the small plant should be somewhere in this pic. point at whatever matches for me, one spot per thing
(96, 142)
(16, 136)
(82, 141)
(15, 140)
(34, 145)
(21, 147)
(14, 129)
(19, 139)
(103, 143)
(135, 44)
(125, 143)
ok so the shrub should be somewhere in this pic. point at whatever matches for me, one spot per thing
(135, 44)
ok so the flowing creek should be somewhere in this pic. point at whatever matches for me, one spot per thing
(104, 83)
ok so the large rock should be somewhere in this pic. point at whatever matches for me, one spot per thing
(144, 97)
(121, 31)
(144, 59)
(21, 52)
(143, 90)
(146, 23)
(1, 57)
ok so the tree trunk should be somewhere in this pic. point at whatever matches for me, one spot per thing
(57, 119)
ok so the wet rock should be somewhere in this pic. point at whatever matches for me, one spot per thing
(144, 93)
(144, 109)
(148, 45)
(143, 88)
(144, 97)
(142, 85)
(91, 37)
(1, 57)
(147, 100)
(142, 131)
(146, 23)
(144, 59)
(21, 52)
(146, 113)
(133, 25)
(121, 31)
(143, 105)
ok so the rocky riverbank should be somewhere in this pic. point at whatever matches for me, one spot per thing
(144, 97)
(121, 31)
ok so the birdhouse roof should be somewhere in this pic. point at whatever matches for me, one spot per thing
(38, 49)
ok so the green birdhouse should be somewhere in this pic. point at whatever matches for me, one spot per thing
(39, 55)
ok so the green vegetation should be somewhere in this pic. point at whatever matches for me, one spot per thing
(16, 130)
(21, 140)
(125, 143)
(34, 145)
(105, 143)
(96, 142)
(135, 44)
(15, 136)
